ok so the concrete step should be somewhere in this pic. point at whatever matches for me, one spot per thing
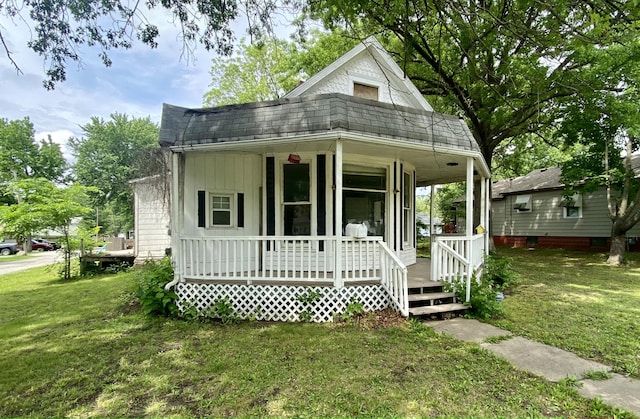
(431, 296)
(437, 309)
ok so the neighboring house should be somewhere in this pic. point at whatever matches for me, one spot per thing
(307, 202)
(531, 211)
(425, 220)
(151, 218)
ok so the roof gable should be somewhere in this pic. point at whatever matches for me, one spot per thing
(370, 64)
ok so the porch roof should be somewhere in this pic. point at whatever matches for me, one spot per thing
(312, 115)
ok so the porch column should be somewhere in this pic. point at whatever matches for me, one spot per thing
(483, 209)
(487, 214)
(431, 222)
(469, 209)
(338, 281)
(176, 214)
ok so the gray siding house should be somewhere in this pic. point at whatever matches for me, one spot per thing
(530, 211)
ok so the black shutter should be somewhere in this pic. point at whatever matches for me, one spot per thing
(202, 211)
(240, 210)
(321, 197)
(395, 205)
(271, 196)
(334, 195)
(402, 205)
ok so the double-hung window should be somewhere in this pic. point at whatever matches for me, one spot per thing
(221, 207)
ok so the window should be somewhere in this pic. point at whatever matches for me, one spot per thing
(221, 210)
(364, 91)
(406, 206)
(523, 203)
(572, 206)
(297, 203)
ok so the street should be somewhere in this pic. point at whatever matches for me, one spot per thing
(36, 259)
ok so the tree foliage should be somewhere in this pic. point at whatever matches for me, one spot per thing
(523, 154)
(501, 64)
(63, 28)
(43, 205)
(108, 156)
(268, 70)
(22, 157)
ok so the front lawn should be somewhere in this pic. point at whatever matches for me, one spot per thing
(13, 258)
(574, 301)
(82, 349)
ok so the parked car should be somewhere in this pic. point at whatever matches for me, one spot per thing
(7, 249)
(55, 245)
(40, 247)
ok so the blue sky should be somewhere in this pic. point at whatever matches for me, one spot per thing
(137, 83)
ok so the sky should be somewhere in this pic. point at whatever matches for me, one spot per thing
(138, 82)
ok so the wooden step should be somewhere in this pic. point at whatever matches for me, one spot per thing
(431, 296)
(437, 309)
(423, 284)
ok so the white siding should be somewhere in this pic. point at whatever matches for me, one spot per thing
(225, 174)
(152, 221)
(546, 217)
(364, 69)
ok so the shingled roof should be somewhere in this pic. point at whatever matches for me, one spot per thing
(308, 115)
(539, 180)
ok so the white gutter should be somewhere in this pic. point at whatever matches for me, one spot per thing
(332, 136)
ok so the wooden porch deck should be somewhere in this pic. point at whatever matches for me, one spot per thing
(419, 274)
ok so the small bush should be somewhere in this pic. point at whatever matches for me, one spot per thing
(151, 280)
(497, 270)
(483, 304)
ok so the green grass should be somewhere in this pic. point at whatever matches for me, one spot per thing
(13, 258)
(574, 301)
(82, 349)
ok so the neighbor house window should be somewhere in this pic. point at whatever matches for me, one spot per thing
(572, 206)
(522, 203)
(364, 91)
(297, 199)
(221, 210)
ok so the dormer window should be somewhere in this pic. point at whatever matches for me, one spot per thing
(523, 203)
(364, 91)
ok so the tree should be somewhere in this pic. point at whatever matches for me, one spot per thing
(21, 157)
(501, 64)
(525, 153)
(108, 156)
(607, 129)
(62, 28)
(268, 70)
(44, 205)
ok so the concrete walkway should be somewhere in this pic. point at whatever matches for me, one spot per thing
(546, 361)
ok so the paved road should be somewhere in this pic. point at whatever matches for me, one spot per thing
(36, 259)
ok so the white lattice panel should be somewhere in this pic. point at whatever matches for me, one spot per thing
(280, 302)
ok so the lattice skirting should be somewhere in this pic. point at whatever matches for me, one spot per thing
(280, 302)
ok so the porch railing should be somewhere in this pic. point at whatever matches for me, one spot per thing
(456, 257)
(280, 259)
(394, 279)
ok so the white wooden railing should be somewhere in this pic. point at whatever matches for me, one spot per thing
(454, 257)
(394, 279)
(280, 259)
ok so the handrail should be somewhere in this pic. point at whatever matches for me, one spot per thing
(394, 279)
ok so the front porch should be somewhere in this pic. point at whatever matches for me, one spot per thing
(270, 278)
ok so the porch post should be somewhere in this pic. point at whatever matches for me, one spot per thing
(176, 214)
(487, 213)
(337, 274)
(469, 222)
(483, 207)
(469, 209)
(431, 222)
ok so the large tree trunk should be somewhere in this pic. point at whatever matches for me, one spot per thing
(618, 247)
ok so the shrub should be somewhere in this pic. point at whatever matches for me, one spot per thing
(497, 270)
(151, 280)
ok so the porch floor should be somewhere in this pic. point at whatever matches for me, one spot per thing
(419, 274)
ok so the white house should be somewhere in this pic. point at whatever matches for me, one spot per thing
(314, 193)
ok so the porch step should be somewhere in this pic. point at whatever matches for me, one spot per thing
(431, 296)
(437, 309)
